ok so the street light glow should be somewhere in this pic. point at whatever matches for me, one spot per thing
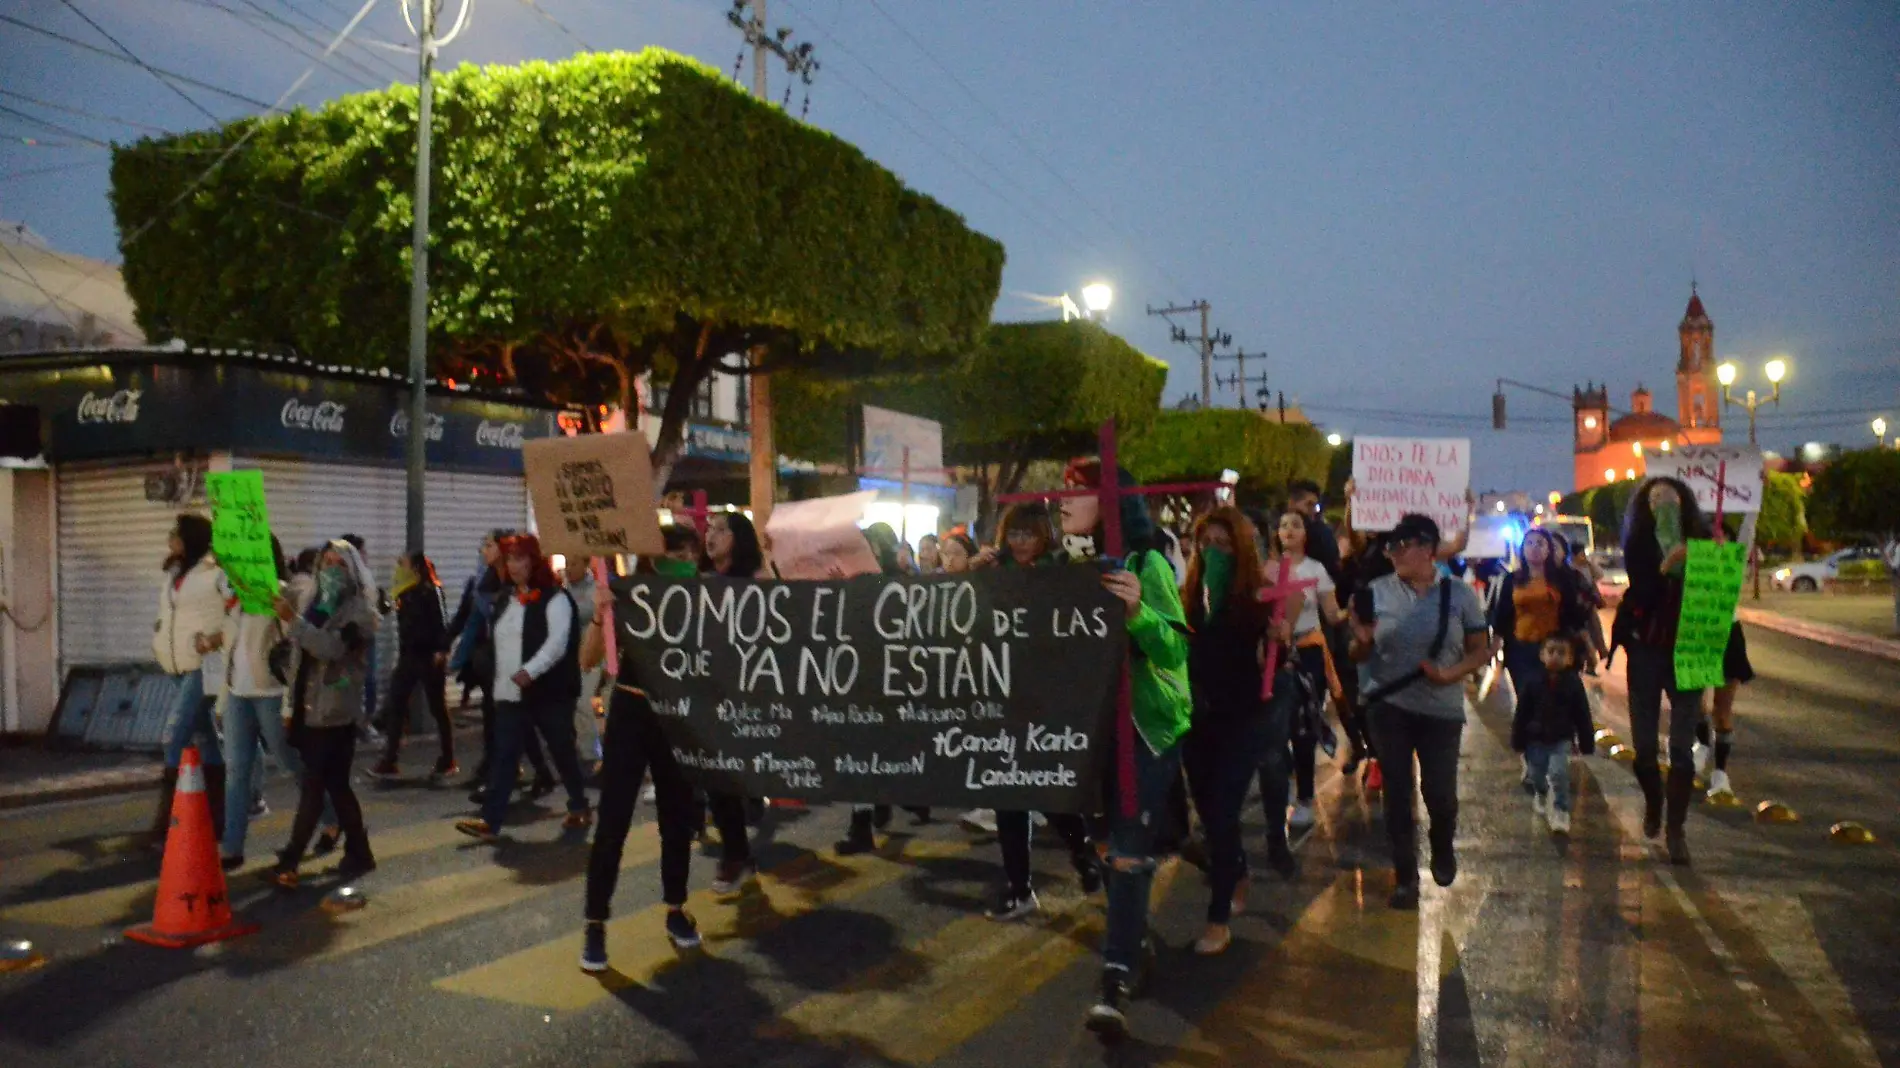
(1334, 440)
(1725, 374)
(1097, 296)
(1636, 448)
(1665, 445)
(1610, 473)
(1776, 371)
(1630, 474)
(1880, 428)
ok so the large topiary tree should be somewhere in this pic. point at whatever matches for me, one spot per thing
(1266, 454)
(593, 220)
(1028, 392)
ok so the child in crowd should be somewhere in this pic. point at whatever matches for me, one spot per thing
(1552, 713)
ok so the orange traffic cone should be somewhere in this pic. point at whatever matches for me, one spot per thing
(1375, 779)
(192, 905)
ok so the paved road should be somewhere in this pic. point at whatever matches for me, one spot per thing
(1777, 949)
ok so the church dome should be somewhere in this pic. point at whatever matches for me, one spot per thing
(1643, 426)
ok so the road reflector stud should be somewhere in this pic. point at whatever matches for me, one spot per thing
(1622, 754)
(19, 955)
(1775, 812)
(344, 899)
(1847, 832)
(1606, 737)
(1725, 799)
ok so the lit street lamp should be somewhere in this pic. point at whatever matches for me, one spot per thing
(1880, 430)
(1096, 297)
(1334, 440)
(1775, 370)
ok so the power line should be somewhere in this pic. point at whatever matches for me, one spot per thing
(531, 5)
(133, 56)
(37, 171)
(1020, 140)
(53, 126)
(256, 23)
(114, 56)
(361, 44)
(37, 102)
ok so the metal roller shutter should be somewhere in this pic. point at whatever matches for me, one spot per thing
(111, 542)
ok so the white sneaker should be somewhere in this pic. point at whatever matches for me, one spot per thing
(1301, 817)
(979, 819)
(649, 794)
(1703, 754)
(1540, 804)
(1559, 821)
(1718, 784)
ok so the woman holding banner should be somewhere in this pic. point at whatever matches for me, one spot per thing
(1160, 706)
(1026, 538)
(1235, 732)
(1663, 517)
(633, 746)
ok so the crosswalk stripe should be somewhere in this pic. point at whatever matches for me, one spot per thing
(117, 906)
(970, 974)
(428, 903)
(547, 977)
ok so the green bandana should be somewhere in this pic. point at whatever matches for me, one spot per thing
(1668, 528)
(1217, 579)
(330, 583)
(667, 567)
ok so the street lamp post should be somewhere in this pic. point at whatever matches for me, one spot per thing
(1775, 370)
(1880, 430)
(1096, 297)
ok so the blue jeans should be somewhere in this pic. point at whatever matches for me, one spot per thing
(1134, 839)
(248, 721)
(1550, 772)
(189, 723)
(514, 722)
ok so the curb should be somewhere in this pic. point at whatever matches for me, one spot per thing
(120, 783)
(1825, 634)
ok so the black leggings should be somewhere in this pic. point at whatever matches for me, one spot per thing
(1012, 838)
(632, 746)
(327, 756)
(413, 670)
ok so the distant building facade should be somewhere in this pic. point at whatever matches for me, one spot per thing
(1609, 445)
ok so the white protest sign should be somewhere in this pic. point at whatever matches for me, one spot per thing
(820, 539)
(887, 434)
(1698, 467)
(1394, 476)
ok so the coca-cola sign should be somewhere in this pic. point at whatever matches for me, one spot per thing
(399, 426)
(120, 407)
(499, 435)
(324, 417)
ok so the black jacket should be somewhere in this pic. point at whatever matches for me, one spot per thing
(1652, 603)
(1552, 712)
(1224, 661)
(419, 627)
(562, 682)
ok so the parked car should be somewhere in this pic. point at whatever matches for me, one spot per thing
(1812, 576)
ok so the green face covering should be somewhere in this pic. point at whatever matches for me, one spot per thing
(668, 567)
(1668, 527)
(330, 582)
(1217, 577)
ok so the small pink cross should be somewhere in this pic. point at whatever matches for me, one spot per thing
(1277, 595)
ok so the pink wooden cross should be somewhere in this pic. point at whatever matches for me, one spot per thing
(1278, 594)
(1110, 493)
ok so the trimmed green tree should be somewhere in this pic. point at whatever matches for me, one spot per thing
(593, 220)
(1028, 392)
(1183, 445)
(1858, 496)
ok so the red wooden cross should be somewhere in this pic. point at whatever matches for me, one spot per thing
(1110, 493)
(1278, 594)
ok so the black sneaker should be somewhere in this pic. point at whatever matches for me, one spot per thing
(881, 816)
(326, 843)
(231, 863)
(733, 878)
(1281, 859)
(1011, 905)
(681, 930)
(355, 864)
(1108, 1017)
(1405, 898)
(860, 838)
(1678, 844)
(542, 787)
(594, 948)
(1444, 867)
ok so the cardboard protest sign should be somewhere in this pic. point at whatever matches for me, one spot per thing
(820, 539)
(1700, 466)
(1711, 588)
(1396, 476)
(240, 537)
(593, 494)
(988, 690)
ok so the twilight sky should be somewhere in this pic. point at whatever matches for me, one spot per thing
(1399, 202)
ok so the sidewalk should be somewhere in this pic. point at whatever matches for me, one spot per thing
(30, 775)
(1863, 624)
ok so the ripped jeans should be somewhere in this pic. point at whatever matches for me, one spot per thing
(1134, 838)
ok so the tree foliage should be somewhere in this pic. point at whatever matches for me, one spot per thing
(1183, 445)
(1029, 391)
(591, 220)
(1857, 496)
(1784, 515)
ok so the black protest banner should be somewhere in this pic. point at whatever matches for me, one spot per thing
(985, 690)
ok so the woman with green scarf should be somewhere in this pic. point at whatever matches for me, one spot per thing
(1663, 516)
(1234, 732)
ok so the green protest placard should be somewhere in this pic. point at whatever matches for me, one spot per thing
(1711, 587)
(240, 537)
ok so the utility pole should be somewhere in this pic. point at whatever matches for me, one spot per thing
(418, 444)
(1239, 385)
(1208, 342)
(799, 61)
(1239, 378)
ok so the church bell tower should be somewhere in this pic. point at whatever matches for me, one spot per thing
(1698, 395)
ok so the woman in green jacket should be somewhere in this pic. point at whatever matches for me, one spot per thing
(1161, 703)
